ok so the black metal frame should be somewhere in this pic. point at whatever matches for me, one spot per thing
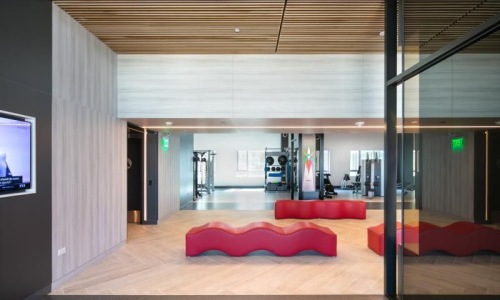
(391, 147)
(392, 80)
(473, 36)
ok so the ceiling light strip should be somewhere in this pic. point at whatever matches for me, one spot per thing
(324, 127)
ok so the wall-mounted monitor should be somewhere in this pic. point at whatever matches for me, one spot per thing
(16, 153)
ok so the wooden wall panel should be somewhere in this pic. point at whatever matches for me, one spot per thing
(169, 177)
(89, 148)
(448, 177)
(250, 86)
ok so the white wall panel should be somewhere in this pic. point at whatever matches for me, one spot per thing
(248, 86)
(465, 85)
(298, 86)
(372, 86)
(476, 85)
(89, 149)
(175, 86)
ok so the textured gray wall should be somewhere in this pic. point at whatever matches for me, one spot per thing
(89, 149)
(26, 88)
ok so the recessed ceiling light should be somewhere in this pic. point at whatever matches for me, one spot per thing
(359, 124)
(414, 122)
(497, 122)
(168, 123)
(236, 30)
(382, 33)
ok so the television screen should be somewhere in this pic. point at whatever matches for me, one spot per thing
(15, 154)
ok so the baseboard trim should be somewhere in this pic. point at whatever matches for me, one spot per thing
(150, 222)
(59, 282)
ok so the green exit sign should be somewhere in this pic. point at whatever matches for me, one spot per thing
(457, 144)
(164, 143)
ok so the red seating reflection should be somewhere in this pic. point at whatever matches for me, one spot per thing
(458, 239)
(282, 241)
(324, 209)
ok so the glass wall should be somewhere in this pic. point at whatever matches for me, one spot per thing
(431, 25)
(450, 235)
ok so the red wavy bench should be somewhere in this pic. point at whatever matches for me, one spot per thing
(324, 209)
(282, 241)
(458, 239)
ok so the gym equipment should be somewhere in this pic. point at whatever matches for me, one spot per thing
(282, 159)
(356, 185)
(344, 184)
(329, 189)
(203, 172)
(276, 177)
(371, 173)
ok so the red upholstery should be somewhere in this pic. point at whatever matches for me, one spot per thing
(324, 209)
(458, 239)
(376, 237)
(282, 241)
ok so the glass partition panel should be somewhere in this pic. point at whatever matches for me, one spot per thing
(451, 173)
(430, 25)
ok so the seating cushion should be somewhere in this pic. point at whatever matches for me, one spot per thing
(324, 209)
(282, 241)
(458, 239)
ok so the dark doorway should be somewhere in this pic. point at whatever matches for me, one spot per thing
(135, 163)
(494, 176)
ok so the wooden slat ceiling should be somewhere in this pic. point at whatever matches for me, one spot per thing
(181, 26)
(273, 26)
(327, 26)
(430, 24)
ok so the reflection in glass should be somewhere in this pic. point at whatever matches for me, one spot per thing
(430, 25)
(451, 159)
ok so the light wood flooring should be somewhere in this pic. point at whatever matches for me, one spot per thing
(438, 273)
(153, 260)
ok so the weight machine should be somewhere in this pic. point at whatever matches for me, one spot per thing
(203, 172)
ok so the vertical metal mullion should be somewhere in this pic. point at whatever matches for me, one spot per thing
(291, 174)
(390, 153)
(299, 166)
(321, 166)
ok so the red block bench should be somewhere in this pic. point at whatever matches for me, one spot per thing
(458, 239)
(324, 209)
(282, 241)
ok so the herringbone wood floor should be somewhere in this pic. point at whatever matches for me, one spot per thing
(153, 262)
